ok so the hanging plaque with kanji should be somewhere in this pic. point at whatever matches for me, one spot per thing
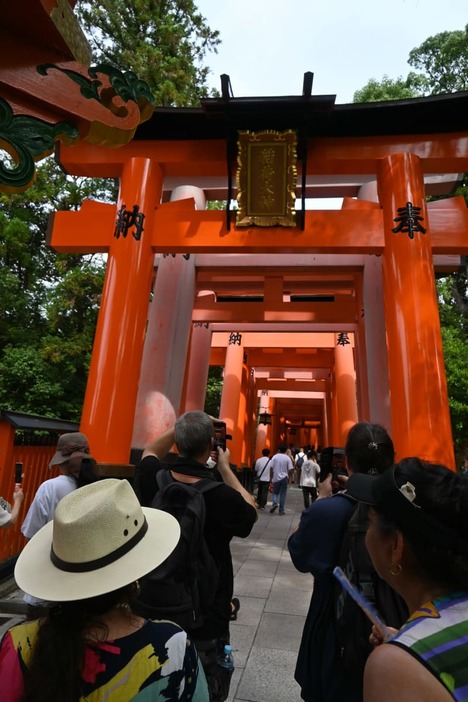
(266, 178)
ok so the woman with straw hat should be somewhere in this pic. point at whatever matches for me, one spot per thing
(91, 646)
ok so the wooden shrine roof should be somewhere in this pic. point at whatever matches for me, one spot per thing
(318, 114)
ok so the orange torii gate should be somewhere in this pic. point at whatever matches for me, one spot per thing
(304, 363)
(403, 230)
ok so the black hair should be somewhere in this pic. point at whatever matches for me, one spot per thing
(282, 448)
(369, 449)
(266, 452)
(54, 673)
(443, 496)
(83, 470)
(311, 454)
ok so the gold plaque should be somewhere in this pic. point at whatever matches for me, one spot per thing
(266, 178)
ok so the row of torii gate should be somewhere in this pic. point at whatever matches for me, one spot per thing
(271, 294)
(322, 321)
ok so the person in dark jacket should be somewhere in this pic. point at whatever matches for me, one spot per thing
(230, 511)
(315, 548)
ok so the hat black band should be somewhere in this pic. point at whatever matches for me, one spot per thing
(99, 562)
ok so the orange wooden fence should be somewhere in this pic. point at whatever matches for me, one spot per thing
(35, 457)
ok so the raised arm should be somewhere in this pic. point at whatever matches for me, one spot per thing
(230, 479)
(18, 498)
(161, 445)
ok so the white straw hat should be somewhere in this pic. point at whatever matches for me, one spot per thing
(100, 540)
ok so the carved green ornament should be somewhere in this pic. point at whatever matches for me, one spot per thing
(126, 85)
(27, 139)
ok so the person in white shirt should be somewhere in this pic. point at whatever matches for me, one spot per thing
(75, 471)
(281, 468)
(263, 476)
(298, 461)
(310, 470)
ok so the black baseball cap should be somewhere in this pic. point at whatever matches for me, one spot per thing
(393, 494)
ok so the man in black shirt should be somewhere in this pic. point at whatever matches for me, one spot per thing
(230, 511)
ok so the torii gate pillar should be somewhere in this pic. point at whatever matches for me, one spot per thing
(230, 399)
(250, 420)
(345, 379)
(239, 449)
(376, 348)
(418, 388)
(167, 340)
(263, 431)
(111, 392)
(165, 350)
(198, 366)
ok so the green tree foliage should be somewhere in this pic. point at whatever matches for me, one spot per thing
(453, 309)
(29, 383)
(444, 60)
(49, 302)
(389, 89)
(163, 42)
(213, 390)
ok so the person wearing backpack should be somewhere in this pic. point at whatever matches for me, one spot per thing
(230, 511)
(335, 640)
(298, 463)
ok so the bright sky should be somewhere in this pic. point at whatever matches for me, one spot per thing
(268, 45)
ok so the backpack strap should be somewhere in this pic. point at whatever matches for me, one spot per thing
(206, 485)
(344, 494)
(264, 469)
(164, 477)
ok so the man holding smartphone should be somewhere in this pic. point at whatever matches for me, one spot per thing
(230, 511)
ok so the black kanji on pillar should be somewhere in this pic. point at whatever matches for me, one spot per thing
(235, 338)
(343, 339)
(129, 218)
(409, 220)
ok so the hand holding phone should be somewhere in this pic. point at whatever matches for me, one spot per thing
(220, 435)
(18, 475)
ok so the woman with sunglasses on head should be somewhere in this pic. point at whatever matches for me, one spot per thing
(418, 542)
(90, 645)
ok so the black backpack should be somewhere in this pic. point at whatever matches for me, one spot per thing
(183, 587)
(299, 461)
(352, 626)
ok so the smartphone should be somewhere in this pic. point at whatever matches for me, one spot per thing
(220, 435)
(18, 475)
(332, 460)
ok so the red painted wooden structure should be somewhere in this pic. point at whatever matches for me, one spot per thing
(398, 146)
